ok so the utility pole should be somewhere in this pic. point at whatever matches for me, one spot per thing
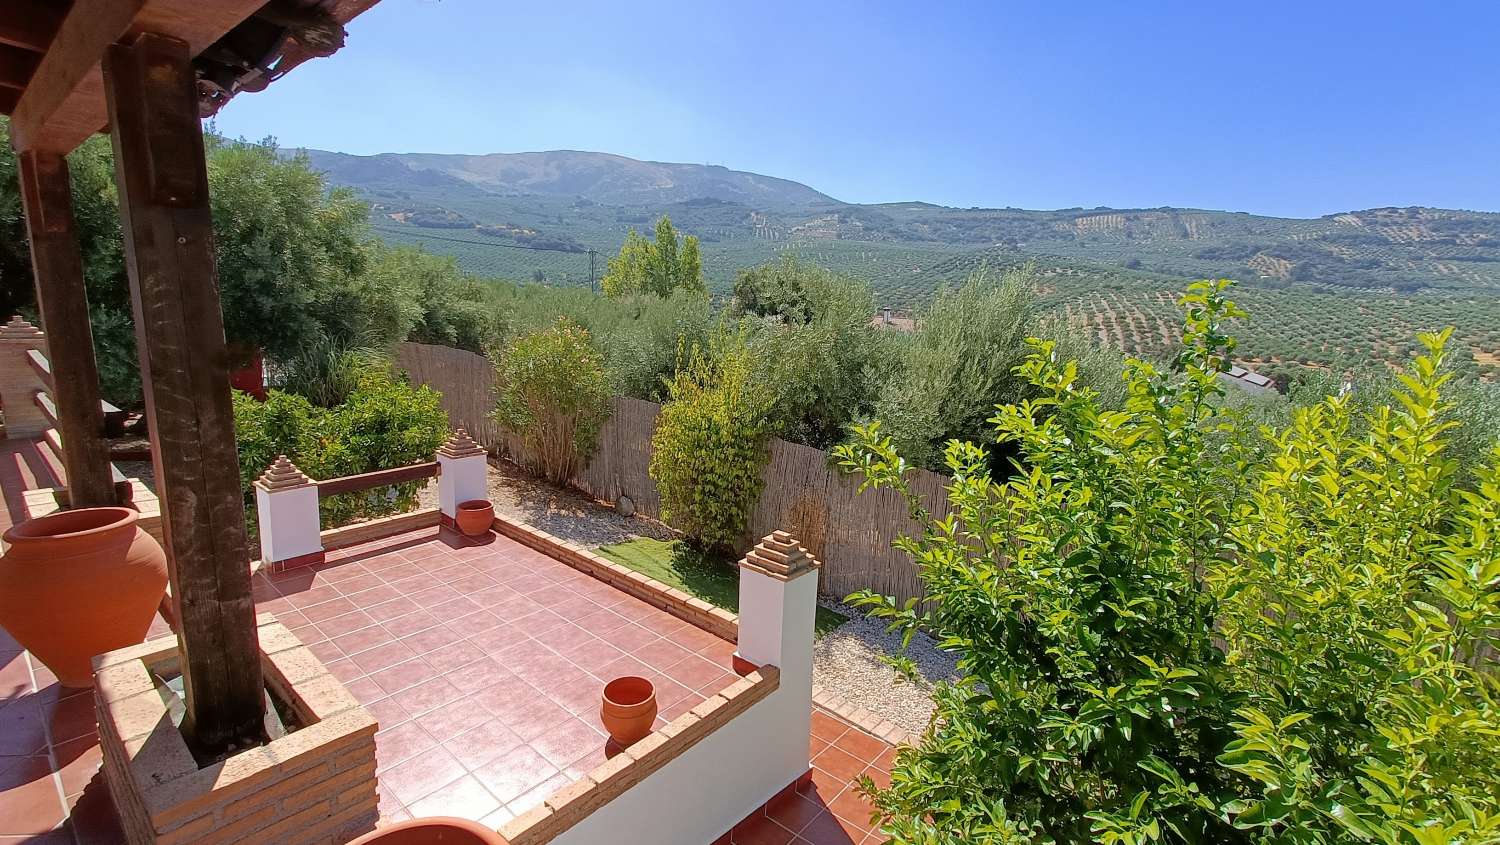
(592, 286)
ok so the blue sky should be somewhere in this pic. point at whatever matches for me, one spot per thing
(1297, 109)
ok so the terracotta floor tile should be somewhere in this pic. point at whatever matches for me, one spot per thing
(382, 656)
(531, 718)
(23, 729)
(363, 639)
(630, 637)
(761, 830)
(478, 675)
(29, 802)
(392, 609)
(453, 656)
(838, 763)
(79, 762)
(388, 712)
(567, 742)
(694, 672)
(403, 675)
(453, 717)
(328, 609)
(456, 608)
(71, 717)
(465, 798)
(345, 670)
(515, 773)
(854, 808)
(860, 745)
(881, 777)
(373, 595)
(326, 651)
(400, 743)
(481, 744)
(626, 665)
(827, 728)
(433, 638)
(581, 696)
(661, 654)
(15, 676)
(793, 811)
(92, 816)
(410, 623)
(538, 794)
(426, 696)
(422, 775)
(828, 829)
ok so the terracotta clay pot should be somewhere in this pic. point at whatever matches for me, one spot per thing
(438, 830)
(79, 583)
(475, 517)
(629, 708)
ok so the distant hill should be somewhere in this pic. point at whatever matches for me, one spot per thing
(581, 200)
(599, 177)
(1352, 285)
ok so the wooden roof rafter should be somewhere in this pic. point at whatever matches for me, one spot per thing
(56, 100)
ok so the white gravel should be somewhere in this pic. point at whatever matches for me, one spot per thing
(847, 663)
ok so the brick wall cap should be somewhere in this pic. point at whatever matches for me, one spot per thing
(459, 445)
(282, 474)
(780, 556)
(19, 329)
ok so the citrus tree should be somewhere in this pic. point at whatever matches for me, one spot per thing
(1165, 637)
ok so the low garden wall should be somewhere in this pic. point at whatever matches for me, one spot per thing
(805, 492)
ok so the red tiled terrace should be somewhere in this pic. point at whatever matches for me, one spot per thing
(483, 662)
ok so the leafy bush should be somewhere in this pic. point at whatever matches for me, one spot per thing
(710, 444)
(962, 362)
(639, 336)
(1163, 638)
(823, 356)
(551, 392)
(660, 266)
(383, 423)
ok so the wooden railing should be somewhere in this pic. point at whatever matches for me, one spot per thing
(378, 478)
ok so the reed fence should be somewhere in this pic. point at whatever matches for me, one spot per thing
(805, 492)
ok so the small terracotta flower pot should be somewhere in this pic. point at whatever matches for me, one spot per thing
(78, 583)
(438, 830)
(629, 708)
(475, 517)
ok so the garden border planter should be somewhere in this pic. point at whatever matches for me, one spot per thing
(314, 785)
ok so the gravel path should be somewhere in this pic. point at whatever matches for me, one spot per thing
(846, 661)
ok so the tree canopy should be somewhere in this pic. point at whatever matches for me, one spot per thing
(660, 266)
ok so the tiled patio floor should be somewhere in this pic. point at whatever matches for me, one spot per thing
(484, 664)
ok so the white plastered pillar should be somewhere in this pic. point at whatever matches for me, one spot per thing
(462, 474)
(778, 607)
(286, 506)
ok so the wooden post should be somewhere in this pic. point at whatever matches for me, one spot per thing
(169, 253)
(57, 266)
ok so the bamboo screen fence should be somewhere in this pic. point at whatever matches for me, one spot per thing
(805, 493)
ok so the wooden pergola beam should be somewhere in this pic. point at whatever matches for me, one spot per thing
(64, 102)
(30, 24)
(57, 266)
(169, 254)
(16, 66)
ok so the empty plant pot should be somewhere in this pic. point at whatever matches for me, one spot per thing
(438, 830)
(78, 583)
(475, 517)
(629, 708)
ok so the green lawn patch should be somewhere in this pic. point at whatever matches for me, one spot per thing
(708, 577)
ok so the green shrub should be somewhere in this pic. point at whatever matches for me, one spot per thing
(962, 362)
(384, 423)
(710, 444)
(551, 392)
(1165, 637)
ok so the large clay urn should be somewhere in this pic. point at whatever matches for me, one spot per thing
(78, 583)
(628, 709)
(438, 830)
